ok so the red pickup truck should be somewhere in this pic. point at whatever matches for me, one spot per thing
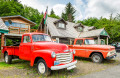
(86, 47)
(38, 48)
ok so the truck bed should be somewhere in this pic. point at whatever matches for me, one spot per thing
(13, 50)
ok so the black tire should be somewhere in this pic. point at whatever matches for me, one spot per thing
(47, 71)
(97, 58)
(7, 58)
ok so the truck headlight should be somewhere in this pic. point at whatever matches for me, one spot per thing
(74, 52)
(53, 55)
(111, 53)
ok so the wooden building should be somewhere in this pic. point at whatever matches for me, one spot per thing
(63, 31)
(17, 25)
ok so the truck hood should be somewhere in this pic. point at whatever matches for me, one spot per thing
(100, 47)
(56, 47)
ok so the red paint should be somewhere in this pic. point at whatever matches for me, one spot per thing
(31, 50)
(85, 50)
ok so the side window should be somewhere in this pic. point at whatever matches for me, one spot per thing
(26, 39)
(79, 42)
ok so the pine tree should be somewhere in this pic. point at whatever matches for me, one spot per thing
(52, 12)
(69, 13)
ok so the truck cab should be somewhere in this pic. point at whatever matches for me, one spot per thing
(87, 48)
(39, 49)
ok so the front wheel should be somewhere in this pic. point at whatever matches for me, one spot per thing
(97, 58)
(7, 58)
(42, 68)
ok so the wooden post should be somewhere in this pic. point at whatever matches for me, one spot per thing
(2, 43)
(19, 30)
(98, 39)
(107, 40)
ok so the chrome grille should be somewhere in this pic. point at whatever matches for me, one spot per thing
(64, 57)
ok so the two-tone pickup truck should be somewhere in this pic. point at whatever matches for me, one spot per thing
(86, 47)
(38, 48)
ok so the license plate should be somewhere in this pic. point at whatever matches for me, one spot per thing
(56, 63)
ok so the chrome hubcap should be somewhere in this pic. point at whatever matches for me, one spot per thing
(6, 58)
(41, 68)
(96, 58)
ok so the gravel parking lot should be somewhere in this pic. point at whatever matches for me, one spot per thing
(22, 69)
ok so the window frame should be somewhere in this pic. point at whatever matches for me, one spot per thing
(81, 43)
(16, 24)
(23, 39)
(58, 25)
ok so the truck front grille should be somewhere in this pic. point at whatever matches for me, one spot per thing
(64, 57)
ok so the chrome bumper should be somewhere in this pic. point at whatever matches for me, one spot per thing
(68, 66)
(110, 57)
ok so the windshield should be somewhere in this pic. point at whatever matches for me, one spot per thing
(88, 42)
(39, 37)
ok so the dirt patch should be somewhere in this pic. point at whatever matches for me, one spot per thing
(22, 69)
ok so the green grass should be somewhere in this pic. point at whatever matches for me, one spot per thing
(21, 64)
(16, 63)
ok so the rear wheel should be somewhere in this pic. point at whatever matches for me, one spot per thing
(97, 58)
(7, 58)
(42, 68)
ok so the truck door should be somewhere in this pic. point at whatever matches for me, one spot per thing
(79, 48)
(25, 48)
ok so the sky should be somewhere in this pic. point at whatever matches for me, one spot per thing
(84, 8)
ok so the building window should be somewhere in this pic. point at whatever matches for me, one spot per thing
(61, 25)
(15, 24)
(79, 29)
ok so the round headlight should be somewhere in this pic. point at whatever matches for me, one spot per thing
(73, 51)
(53, 55)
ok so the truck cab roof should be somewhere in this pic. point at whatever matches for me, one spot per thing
(84, 38)
(34, 33)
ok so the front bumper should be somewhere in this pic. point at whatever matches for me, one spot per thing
(110, 57)
(68, 66)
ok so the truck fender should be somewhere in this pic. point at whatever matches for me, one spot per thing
(8, 51)
(96, 52)
(42, 54)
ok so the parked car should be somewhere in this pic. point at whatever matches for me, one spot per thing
(38, 48)
(86, 47)
(116, 45)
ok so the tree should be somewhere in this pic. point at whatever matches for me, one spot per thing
(11, 7)
(52, 12)
(69, 13)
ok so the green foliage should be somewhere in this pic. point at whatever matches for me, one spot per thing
(8, 42)
(52, 14)
(111, 25)
(69, 13)
(8, 8)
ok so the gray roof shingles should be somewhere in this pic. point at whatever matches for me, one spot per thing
(70, 31)
(92, 33)
(2, 25)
